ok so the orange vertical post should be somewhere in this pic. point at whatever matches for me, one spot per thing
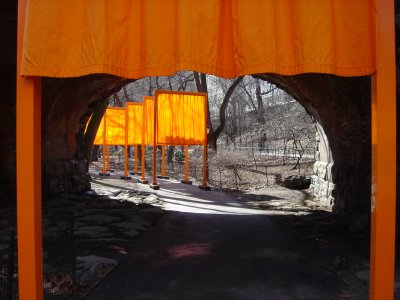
(144, 123)
(126, 176)
(186, 162)
(29, 185)
(154, 185)
(204, 182)
(163, 161)
(135, 170)
(383, 198)
(108, 156)
(104, 160)
(186, 176)
(143, 178)
(104, 145)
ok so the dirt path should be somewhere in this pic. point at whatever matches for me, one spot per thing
(213, 245)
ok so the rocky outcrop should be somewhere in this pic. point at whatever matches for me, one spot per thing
(297, 182)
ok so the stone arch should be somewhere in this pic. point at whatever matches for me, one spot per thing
(340, 105)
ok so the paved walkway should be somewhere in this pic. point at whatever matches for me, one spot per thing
(212, 245)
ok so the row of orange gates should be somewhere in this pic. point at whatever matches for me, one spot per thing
(167, 118)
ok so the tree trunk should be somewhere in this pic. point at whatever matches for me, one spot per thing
(201, 85)
(117, 100)
(170, 154)
(222, 112)
(260, 106)
(125, 93)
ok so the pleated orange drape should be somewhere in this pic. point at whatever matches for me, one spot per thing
(181, 118)
(135, 123)
(227, 38)
(115, 127)
(148, 114)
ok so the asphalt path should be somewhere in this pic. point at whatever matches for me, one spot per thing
(211, 245)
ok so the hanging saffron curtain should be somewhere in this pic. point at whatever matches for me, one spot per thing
(148, 115)
(227, 38)
(135, 122)
(115, 127)
(181, 118)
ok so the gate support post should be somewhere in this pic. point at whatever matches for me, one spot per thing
(383, 189)
(29, 176)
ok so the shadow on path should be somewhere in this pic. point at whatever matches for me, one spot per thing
(215, 245)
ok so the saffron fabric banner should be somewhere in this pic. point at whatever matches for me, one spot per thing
(227, 38)
(115, 127)
(135, 122)
(148, 115)
(181, 118)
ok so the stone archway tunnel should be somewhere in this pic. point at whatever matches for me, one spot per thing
(340, 105)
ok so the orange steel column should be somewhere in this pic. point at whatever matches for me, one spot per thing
(383, 206)
(126, 176)
(154, 185)
(135, 170)
(104, 145)
(29, 185)
(108, 156)
(186, 162)
(204, 183)
(163, 161)
(142, 178)
(186, 177)
(104, 160)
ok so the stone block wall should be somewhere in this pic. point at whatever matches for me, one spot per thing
(322, 184)
(65, 176)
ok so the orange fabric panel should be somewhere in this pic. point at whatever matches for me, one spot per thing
(98, 140)
(148, 114)
(135, 123)
(227, 38)
(181, 118)
(115, 127)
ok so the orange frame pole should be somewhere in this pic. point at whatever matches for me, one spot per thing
(104, 144)
(155, 143)
(154, 185)
(204, 183)
(29, 185)
(126, 176)
(135, 170)
(383, 190)
(163, 161)
(144, 137)
(186, 163)
(185, 179)
(108, 148)
(143, 161)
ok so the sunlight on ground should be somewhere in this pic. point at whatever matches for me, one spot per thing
(190, 199)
